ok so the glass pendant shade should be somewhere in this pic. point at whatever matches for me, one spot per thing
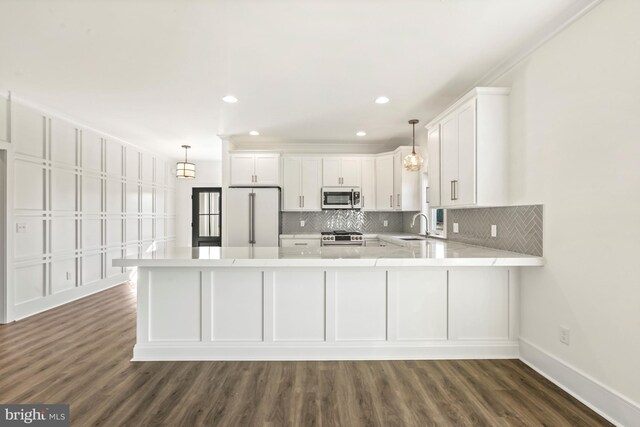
(413, 162)
(185, 170)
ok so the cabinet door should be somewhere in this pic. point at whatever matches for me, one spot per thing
(242, 169)
(397, 181)
(433, 166)
(267, 169)
(466, 183)
(331, 172)
(291, 191)
(368, 187)
(449, 159)
(311, 184)
(351, 171)
(384, 183)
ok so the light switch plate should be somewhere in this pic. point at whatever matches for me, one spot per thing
(21, 228)
(302, 222)
(494, 230)
(455, 227)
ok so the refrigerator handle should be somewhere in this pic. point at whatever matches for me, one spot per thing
(252, 217)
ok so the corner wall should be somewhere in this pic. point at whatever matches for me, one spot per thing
(574, 147)
(80, 199)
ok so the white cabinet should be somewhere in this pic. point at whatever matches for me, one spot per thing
(257, 169)
(293, 242)
(433, 167)
(368, 187)
(396, 188)
(301, 184)
(472, 150)
(406, 184)
(384, 183)
(341, 172)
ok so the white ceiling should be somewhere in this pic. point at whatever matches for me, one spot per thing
(154, 72)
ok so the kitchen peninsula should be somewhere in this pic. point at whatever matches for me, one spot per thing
(426, 299)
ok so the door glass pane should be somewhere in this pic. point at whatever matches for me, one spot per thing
(204, 203)
(215, 203)
(209, 226)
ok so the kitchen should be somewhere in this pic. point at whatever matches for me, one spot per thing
(252, 235)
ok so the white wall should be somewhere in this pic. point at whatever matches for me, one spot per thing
(80, 199)
(575, 113)
(208, 174)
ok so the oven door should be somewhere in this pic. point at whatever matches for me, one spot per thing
(337, 198)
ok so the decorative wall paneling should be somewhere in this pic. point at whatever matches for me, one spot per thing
(81, 199)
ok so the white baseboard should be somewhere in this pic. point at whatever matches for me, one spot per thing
(611, 405)
(29, 308)
(160, 351)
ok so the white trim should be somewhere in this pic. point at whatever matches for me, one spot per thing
(616, 408)
(4, 223)
(320, 351)
(29, 308)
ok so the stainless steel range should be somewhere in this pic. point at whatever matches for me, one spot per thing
(342, 238)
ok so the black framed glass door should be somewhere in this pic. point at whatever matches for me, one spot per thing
(206, 222)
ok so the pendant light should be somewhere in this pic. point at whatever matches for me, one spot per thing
(413, 162)
(185, 170)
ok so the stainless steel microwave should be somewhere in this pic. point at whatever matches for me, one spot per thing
(341, 198)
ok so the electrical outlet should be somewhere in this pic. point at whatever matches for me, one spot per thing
(565, 335)
(494, 230)
(455, 227)
(385, 223)
(21, 227)
(302, 222)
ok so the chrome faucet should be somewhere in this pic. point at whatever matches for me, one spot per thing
(413, 222)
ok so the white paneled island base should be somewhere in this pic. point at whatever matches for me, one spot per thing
(326, 313)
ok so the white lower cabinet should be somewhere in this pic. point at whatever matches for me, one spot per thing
(295, 242)
(326, 313)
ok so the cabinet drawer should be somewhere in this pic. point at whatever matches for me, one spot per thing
(300, 243)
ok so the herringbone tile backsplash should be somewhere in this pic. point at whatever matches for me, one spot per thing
(351, 220)
(519, 228)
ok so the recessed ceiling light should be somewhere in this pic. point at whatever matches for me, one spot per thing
(230, 99)
(254, 133)
(382, 100)
(361, 133)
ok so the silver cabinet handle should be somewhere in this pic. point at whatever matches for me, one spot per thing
(455, 189)
(300, 244)
(398, 199)
(299, 201)
(391, 201)
(303, 201)
(252, 218)
(362, 201)
(453, 194)
(256, 178)
(426, 195)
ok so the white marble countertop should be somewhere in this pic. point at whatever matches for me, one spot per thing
(428, 252)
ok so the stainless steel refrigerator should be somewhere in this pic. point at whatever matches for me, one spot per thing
(253, 217)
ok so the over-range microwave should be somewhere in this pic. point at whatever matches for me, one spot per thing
(341, 198)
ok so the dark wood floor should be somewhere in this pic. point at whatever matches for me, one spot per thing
(79, 354)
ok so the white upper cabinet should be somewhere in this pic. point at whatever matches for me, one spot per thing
(258, 169)
(406, 183)
(433, 167)
(472, 151)
(368, 188)
(63, 142)
(301, 177)
(341, 172)
(384, 183)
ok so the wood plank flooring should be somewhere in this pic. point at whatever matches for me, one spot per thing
(79, 354)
